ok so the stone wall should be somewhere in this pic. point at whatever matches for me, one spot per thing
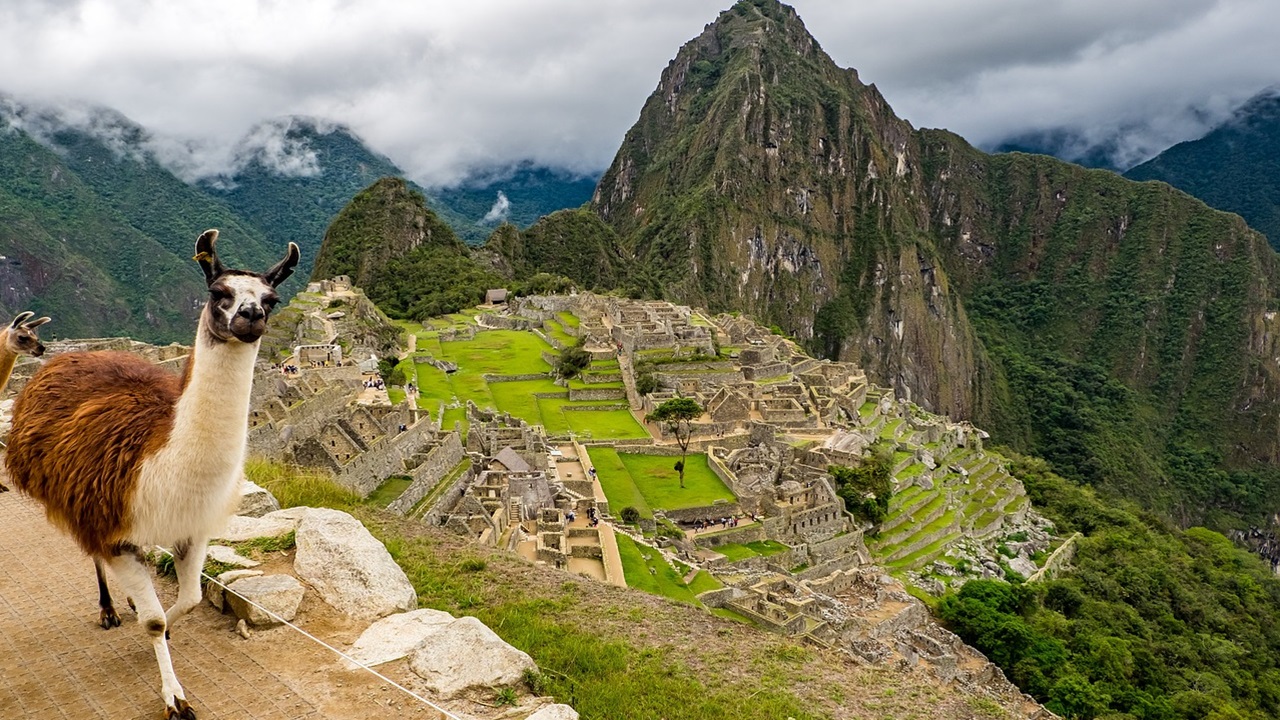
(597, 394)
(440, 461)
(385, 457)
(456, 492)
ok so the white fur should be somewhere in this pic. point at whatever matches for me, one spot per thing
(187, 489)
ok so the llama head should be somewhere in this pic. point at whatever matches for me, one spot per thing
(20, 337)
(240, 301)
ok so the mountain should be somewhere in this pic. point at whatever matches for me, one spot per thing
(409, 261)
(1123, 330)
(1235, 167)
(293, 175)
(568, 243)
(1065, 144)
(98, 235)
(519, 195)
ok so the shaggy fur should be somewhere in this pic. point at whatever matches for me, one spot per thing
(105, 412)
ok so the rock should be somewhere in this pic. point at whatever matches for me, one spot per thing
(1023, 566)
(214, 593)
(394, 637)
(281, 594)
(228, 556)
(350, 569)
(554, 712)
(255, 500)
(466, 654)
(274, 524)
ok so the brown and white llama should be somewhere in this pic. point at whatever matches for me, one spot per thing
(124, 454)
(16, 339)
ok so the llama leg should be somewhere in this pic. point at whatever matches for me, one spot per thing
(108, 618)
(188, 561)
(133, 576)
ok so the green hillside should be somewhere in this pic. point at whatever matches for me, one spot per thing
(1236, 167)
(407, 259)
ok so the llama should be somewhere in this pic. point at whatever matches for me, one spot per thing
(123, 454)
(18, 338)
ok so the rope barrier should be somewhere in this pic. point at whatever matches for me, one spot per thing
(324, 644)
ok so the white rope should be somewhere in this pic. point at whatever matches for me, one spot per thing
(335, 650)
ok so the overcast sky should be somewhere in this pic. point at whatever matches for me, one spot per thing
(444, 88)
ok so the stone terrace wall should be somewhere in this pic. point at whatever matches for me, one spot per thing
(439, 462)
(385, 457)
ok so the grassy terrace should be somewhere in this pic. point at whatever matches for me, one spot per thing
(645, 569)
(568, 319)
(555, 330)
(650, 481)
(759, 548)
(511, 352)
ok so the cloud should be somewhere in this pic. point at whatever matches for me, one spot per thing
(500, 211)
(448, 89)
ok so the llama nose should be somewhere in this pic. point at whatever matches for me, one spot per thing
(251, 313)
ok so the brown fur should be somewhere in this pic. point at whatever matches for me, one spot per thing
(100, 414)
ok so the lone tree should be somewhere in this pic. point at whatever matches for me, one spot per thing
(675, 415)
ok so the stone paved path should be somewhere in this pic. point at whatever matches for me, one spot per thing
(55, 662)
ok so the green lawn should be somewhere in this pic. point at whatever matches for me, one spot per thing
(650, 481)
(759, 548)
(605, 424)
(660, 483)
(557, 331)
(619, 487)
(389, 490)
(568, 319)
(645, 569)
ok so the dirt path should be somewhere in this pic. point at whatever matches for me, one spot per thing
(57, 663)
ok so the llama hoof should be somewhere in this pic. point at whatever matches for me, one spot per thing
(131, 605)
(179, 710)
(109, 618)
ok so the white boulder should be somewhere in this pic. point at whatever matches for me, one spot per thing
(395, 636)
(280, 594)
(350, 569)
(466, 654)
(274, 524)
(228, 556)
(213, 591)
(554, 712)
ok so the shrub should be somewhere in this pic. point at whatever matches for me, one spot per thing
(629, 515)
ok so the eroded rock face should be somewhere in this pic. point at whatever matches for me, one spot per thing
(466, 654)
(394, 637)
(349, 568)
(280, 594)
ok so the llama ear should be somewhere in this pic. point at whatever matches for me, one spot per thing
(208, 257)
(36, 323)
(283, 269)
(20, 318)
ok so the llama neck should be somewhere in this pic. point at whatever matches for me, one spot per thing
(213, 411)
(7, 360)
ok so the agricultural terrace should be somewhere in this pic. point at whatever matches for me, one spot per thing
(509, 353)
(646, 569)
(646, 482)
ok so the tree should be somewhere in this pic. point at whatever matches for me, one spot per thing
(573, 361)
(676, 415)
